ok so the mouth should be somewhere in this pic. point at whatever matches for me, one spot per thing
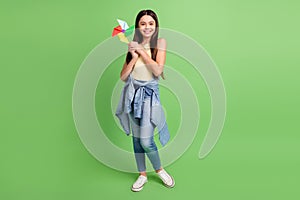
(147, 31)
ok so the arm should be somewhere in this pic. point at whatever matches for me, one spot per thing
(157, 66)
(127, 68)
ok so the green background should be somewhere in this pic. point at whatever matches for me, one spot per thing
(255, 45)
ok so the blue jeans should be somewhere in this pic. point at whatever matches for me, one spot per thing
(143, 138)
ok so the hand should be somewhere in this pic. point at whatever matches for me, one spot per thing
(134, 54)
(134, 46)
(132, 49)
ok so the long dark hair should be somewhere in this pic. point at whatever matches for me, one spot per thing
(138, 36)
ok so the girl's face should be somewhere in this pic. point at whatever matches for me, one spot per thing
(147, 26)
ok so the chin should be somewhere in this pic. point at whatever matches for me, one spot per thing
(147, 35)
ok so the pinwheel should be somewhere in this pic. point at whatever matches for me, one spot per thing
(123, 30)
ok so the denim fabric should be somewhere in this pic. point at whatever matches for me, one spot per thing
(131, 100)
(143, 137)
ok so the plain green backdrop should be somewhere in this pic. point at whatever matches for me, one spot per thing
(255, 45)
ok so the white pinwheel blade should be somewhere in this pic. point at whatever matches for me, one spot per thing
(123, 24)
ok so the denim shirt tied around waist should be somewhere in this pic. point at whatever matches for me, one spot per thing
(133, 93)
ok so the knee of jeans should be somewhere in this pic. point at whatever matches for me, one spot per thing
(148, 144)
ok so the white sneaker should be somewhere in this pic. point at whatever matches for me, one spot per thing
(166, 178)
(139, 183)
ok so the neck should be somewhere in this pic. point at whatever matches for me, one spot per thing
(146, 40)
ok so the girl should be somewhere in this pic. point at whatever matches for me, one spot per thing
(139, 108)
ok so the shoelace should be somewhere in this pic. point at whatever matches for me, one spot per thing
(164, 176)
(140, 181)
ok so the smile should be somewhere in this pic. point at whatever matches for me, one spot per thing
(147, 31)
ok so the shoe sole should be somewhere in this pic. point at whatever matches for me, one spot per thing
(173, 183)
(138, 189)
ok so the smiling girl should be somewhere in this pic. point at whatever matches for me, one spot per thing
(139, 108)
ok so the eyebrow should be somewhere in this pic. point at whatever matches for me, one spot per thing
(148, 22)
